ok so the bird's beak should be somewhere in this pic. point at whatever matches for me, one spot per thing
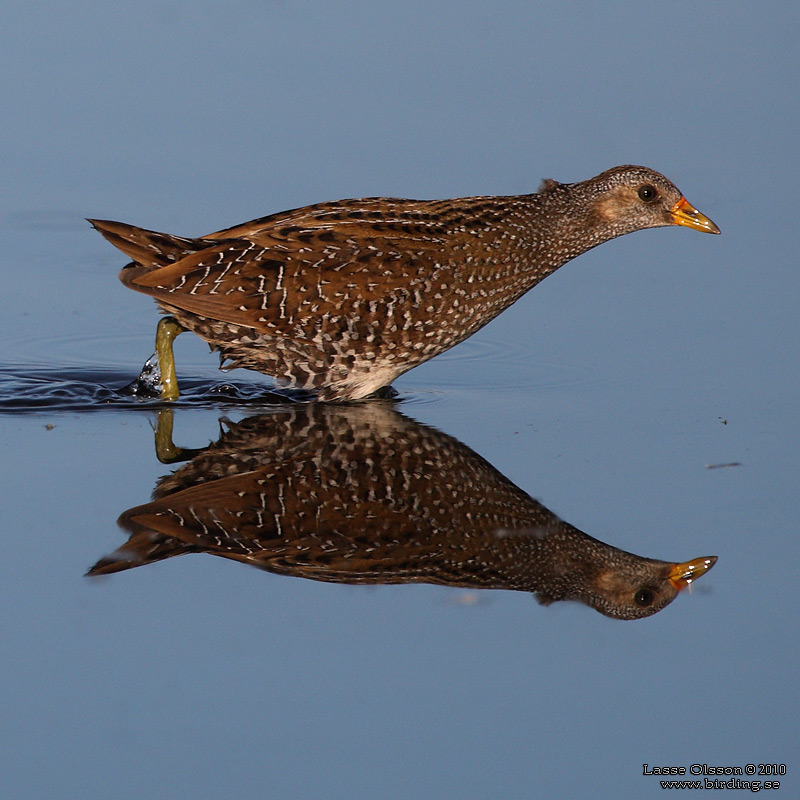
(681, 575)
(684, 213)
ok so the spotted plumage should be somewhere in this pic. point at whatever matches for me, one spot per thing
(362, 494)
(343, 297)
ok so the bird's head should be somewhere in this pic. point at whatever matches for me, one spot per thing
(629, 586)
(626, 199)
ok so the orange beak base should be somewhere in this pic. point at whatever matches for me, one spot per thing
(684, 213)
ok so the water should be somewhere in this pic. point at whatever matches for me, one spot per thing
(645, 394)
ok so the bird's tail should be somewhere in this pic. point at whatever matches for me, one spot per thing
(148, 249)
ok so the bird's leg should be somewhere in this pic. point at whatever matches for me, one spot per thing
(168, 329)
(166, 450)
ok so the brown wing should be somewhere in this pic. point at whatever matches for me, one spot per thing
(339, 212)
(273, 273)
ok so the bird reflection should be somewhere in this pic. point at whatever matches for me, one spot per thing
(363, 494)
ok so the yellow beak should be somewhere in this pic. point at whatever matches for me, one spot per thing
(681, 575)
(684, 213)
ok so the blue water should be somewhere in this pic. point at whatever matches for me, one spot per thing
(609, 394)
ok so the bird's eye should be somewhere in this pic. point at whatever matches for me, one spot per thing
(643, 598)
(648, 193)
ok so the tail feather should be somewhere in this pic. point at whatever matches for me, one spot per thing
(140, 549)
(146, 248)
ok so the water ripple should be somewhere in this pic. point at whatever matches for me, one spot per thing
(32, 383)
(510, 367)
(27, 388)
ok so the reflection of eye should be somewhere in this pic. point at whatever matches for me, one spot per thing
(648, 193)
(644, 597)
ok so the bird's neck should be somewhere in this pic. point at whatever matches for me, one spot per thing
(563, 225)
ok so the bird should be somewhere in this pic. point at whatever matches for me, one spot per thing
(341, 298)
(362, 494)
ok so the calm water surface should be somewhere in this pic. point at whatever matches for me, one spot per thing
(646, 394)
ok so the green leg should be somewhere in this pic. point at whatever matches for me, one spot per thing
(166, 450)
(168, 329)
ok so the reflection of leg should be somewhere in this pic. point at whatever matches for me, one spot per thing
(166, 451)
(168, 329)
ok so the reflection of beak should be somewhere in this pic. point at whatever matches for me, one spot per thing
(681, 575)
(684, 213)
